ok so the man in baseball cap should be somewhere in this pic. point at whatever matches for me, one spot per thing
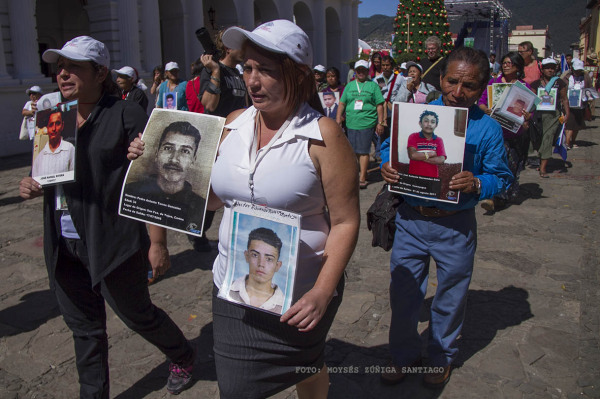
(320, 76)
(127, 78)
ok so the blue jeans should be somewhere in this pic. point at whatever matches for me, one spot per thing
(451, 241)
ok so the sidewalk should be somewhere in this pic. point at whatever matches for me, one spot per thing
(531, 327)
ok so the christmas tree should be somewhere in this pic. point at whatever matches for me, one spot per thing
(415, 21)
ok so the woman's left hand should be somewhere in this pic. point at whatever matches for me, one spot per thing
(526, 115)
(308, 311)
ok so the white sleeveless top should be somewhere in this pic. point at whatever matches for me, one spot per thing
(285, 178)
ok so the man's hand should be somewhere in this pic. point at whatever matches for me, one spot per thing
(463, 181)
(379, 129)
(208, 62)
(158, 255)
(389, 174)
(29, 188)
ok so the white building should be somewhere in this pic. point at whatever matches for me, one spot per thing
(540, 38)
(146, 33)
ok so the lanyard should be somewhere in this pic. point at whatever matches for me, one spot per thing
(255, 158)
(358, 88)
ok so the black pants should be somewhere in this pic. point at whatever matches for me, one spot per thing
(126, 291)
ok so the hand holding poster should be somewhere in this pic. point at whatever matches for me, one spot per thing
(427, 149)
(168, 185)
(54, 144)
(262, 258)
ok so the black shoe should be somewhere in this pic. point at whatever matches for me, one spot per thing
(201, 244)
(179, 378)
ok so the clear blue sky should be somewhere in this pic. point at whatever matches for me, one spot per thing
(371, 7)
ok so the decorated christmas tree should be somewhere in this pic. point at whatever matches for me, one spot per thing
(415, 21)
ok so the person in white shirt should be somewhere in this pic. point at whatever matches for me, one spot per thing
(58, 155)
(34, 93)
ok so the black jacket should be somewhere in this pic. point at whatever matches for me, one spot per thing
(93, 199)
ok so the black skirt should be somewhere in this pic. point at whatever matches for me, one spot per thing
(257, 356)
(576, 119)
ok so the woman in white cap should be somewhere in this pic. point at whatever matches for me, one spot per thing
(578, 80)
(172, 84)
(92, 254)
(303, 164)
(30, 108)
(413, 89)
(127, 80)
(298, 161)
(550, 121)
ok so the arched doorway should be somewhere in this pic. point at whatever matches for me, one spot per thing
(57, 22)
(264, 11)
(303, 18)
(333, 37)
(171, 33)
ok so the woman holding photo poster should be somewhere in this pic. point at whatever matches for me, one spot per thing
(550, 120)
(91, 253)
(515, 144)
(577, 81)
(282, 153)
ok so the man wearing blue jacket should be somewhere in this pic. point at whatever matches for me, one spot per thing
(446, 232)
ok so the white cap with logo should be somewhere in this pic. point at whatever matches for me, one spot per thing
(171, 65)
(280, 36)
(81, 48)
(577, 64)
(34, 89)
(126, 71)
(361, 64)
(320, 68)
(548, 61)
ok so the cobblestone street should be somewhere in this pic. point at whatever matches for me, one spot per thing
(531, 327)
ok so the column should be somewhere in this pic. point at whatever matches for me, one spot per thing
(23, 35)
(320, 42)
(4, 76)
(129, 33)
(151, 43)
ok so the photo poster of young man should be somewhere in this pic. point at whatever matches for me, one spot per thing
(54, 144)
(169, 184)
(170, 100)
(330, 100)
(427, 148)
(575, 98)
(262, 257)
(548, 100)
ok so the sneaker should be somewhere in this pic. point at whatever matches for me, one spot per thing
(179, 378)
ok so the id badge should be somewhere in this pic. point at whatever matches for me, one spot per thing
(61, 200)
(358, 105)
(577, 86)
(262, 257)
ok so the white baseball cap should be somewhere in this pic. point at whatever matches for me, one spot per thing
(34, 89)
(126, 71)
(577, 64)
(81, 48)
(548, 61)
(361, 63)
(403, 65)
(320, 68)
(280, 36)
(171, 65)
(412, 63)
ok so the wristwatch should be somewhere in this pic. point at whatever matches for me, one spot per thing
(476, 185)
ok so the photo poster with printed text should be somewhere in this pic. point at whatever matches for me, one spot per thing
(426, 164)
(169, 184)
(262, 258)
(54, 144)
